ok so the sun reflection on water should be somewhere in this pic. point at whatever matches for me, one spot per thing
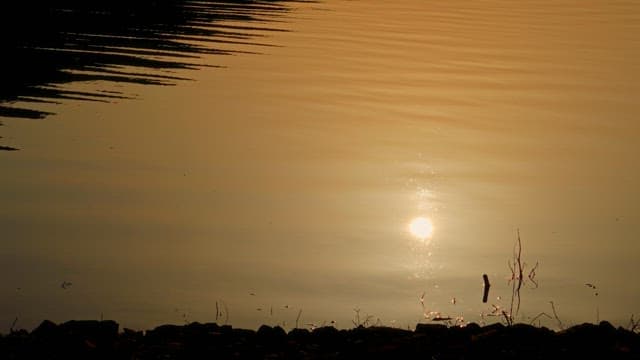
(421, 227)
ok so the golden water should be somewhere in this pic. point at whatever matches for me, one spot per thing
(293, 175)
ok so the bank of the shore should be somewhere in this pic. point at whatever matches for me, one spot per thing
(104, 340)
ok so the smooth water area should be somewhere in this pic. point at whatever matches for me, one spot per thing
(284, 174)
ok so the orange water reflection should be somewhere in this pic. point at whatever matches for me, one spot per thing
(289, 174)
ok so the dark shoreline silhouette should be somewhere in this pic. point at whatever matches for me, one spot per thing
(102, 340)
(49, 44)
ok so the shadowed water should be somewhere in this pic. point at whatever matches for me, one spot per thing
(47, 46)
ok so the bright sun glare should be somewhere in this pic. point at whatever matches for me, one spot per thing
(421, 227)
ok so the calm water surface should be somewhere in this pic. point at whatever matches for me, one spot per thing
(284, 177)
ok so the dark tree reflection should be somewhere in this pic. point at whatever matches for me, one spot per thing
(49, 44)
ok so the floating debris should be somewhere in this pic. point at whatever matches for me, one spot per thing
(487, 285)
